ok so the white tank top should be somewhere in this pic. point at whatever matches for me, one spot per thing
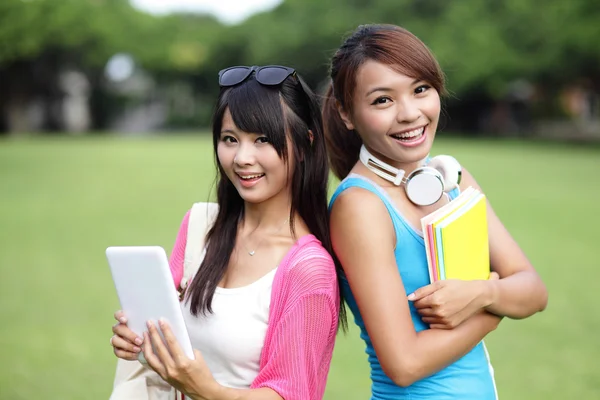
(232, 337)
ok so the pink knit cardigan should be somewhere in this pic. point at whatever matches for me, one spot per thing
(303, 319)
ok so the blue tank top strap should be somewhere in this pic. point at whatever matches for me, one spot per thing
(358, 181)
(354, 180)
(454, 193)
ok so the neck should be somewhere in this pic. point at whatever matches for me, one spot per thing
(268, 214)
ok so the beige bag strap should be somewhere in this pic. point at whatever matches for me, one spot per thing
(202, 217)
(134, 381)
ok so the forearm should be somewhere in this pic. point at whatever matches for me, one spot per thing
(517, 296)
(225, 393)
(434, 349)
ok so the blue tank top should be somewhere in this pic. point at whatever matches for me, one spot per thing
(469, 378)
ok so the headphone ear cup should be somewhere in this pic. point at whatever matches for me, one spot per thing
(424, 186)
(450, 170)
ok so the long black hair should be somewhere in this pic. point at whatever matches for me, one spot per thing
(282, 112)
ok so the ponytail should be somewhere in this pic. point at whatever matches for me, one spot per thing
(343, 145)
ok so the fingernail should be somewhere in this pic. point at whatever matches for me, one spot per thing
(136, 349)
(149, 324)
(411, 296)
(123, 320)
(161, 322)
(138, 341)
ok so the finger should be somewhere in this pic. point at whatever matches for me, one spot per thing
(121, 344)
(426, 302)
(432, 320)
(120, 316)
(127, 334)
(425, 291)
(434, 300)
(427, 312)
(160, 349)
(439, 326)
(172, 343)
(126, 355)
(151, 359)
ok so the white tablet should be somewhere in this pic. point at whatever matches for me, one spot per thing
(145, 289)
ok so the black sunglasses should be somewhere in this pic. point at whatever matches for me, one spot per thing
(268, 75)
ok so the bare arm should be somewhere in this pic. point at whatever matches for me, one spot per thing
(363, 239)
(520, 292)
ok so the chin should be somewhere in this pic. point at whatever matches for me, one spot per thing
(414, 155)
(423, 151)
(253, 198)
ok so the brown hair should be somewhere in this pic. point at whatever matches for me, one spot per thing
(387, 44)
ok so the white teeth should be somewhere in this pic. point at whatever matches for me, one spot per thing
(410, 134)
(251, 176)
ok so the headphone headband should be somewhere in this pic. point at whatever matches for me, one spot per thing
(384, 170)
(426, 184)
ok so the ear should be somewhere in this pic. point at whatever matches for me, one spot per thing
(344, 116)
(311, 138)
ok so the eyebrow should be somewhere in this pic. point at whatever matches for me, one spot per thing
(386, 89)
(227, 131)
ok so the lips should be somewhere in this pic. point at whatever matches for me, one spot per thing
(248, 177)
(248, 180)
(409, 135)
(410, 138)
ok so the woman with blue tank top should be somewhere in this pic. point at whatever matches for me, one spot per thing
(424, 341)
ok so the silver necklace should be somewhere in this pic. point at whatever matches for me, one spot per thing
(252, 252)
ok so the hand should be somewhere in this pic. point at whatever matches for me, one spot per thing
(446, 304)
(191, 377)
(125, 342)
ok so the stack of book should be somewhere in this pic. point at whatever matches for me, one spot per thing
(456, 238)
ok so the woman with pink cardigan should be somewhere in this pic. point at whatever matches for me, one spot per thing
(263, 308)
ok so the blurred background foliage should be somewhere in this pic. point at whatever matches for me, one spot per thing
(525, 67)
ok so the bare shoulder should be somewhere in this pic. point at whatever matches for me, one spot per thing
(468, 180)
(358, 207)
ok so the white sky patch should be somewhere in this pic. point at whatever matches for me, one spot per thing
(227, 11)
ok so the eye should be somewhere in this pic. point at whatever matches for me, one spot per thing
(262, 139)
(422, 89)
(381, 100)
(228, 139)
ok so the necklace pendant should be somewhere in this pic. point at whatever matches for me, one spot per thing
(251, 252)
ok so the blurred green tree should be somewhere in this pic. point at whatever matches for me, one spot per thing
(484, 47)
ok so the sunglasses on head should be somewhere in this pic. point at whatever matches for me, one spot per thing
(269, 75)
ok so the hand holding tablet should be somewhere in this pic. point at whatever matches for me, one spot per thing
(146, 291)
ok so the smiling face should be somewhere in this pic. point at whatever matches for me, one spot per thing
(395, 115)
(252, 164)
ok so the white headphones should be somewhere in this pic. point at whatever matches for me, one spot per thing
(425, 185)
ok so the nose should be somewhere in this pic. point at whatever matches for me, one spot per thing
(408, 111)
(245, 154)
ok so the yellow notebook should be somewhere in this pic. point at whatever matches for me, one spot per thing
(456, 238)
(464, 251)
(427, 224)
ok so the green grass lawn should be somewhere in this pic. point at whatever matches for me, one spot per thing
(63, 201)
